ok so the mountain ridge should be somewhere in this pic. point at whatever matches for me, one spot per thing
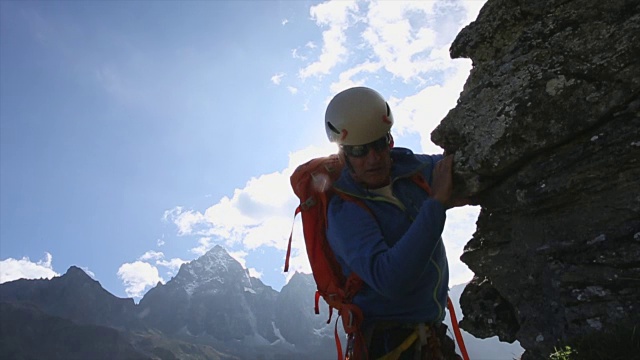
(211, 309)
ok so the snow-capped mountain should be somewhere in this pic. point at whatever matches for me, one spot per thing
(213, 298)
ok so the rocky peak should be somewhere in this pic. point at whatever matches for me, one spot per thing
(213, 269)
(74, 296)
(301, 281)
(76, 272)
(213, 296)
(545, 135)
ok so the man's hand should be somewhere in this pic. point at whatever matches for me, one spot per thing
(442, 184)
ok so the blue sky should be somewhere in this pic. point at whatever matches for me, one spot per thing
(134, 136)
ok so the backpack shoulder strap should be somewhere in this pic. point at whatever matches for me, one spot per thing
(421, 181)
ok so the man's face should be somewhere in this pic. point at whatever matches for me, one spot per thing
(372, 165)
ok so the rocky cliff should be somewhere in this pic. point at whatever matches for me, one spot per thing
(546, 135)
(296, 304)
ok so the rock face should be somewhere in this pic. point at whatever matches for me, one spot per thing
(546, 135)
(296, 306)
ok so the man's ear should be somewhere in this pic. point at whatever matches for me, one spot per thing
(390, 141)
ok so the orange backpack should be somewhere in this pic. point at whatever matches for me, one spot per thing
(312, 182)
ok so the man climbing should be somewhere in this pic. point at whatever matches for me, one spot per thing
(393, 242)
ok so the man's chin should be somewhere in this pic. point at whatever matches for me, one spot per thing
(377, 182)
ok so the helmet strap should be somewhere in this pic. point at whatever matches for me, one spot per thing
(345, 159)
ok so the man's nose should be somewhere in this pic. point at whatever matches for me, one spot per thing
(373, 155)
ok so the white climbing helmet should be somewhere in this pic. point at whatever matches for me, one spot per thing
(357, 116)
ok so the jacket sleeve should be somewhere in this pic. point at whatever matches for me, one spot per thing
(355, 237)
(431, 160)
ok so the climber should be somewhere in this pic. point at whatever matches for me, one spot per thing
(393, 242)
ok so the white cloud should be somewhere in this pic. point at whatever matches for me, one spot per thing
(335, 15)
(173, 265)
(299, 260)
(345, 79)
(13, 269)
(138, 277)
(233, 218)
(240, 257)
(255, 273)
(284, 22)
(272, 232)
(151, 255)
(141, 274)
(400, 45)
(205, 244)
(295, 55)
(299, 157)
(458, 230)
(421, 112)
(472, 8)
(292, 90)
(277, 78)
(409, 39)
(185, 220)
(260, 214)
(230, 218)
(88, 272)
(169, 215)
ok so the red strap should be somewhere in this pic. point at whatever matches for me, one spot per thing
(338, 343)
(456, 329)
(352, 285)
(419, 179)
(286, 261)
(317, 307)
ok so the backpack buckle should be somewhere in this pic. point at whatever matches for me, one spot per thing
(308, 203)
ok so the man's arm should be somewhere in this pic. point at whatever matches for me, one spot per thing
(355, 237)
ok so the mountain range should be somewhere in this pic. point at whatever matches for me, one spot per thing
(212, 309)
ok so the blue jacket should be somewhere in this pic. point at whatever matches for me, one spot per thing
(398, 252)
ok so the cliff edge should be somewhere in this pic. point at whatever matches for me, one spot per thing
(546, 135)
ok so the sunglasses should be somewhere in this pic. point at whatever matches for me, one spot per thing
(358, 151)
